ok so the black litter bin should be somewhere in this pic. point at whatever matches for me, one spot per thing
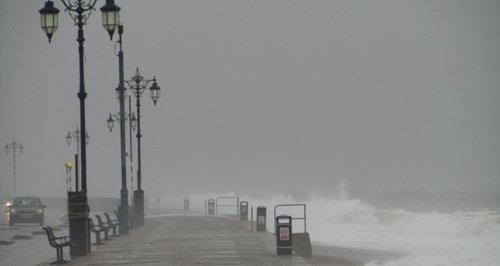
(186, 204)
(211, 206)
(261, 219)
(284, 235)
(244, 211)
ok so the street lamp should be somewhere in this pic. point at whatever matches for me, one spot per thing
(110, 122)
(14, 146)
(137, 84)
(76, 135)
(123, 209)
(79, 11)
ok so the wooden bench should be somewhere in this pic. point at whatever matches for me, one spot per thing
(58, 243)
(97, 230)
(112, 223)
(104, 226)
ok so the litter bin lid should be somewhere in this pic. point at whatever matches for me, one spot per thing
(283, 219)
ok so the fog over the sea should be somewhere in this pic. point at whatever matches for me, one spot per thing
(262, 97)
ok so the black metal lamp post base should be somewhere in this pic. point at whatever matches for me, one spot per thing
(78, 213)
(139, 206)
(123, 212)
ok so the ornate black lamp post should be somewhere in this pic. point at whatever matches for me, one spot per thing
(79, 11)
(137, 85)
(14, 146)
(123, 211)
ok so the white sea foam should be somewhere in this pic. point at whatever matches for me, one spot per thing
(444, 260)
(432, 238)
(464, 237)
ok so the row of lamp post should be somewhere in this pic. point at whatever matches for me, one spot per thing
(137, 85)
(80, 11)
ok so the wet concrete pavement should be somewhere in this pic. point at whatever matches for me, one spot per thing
(175, 238)
(28, 243)
(189, 239)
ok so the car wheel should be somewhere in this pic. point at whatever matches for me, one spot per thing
(11, 222)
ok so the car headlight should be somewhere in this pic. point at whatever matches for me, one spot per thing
(39, 211)
(8, 204)
(13, 211)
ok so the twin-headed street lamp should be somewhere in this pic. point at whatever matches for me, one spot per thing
(132, 125)
(76, 135)
(79, 11)
(138, 84)
(114, 117)
(14, 146)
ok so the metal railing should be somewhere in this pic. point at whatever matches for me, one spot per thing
(237, 206)
(293, 218)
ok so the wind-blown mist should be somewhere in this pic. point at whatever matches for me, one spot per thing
(279, 101)
(275, 96)
(452, 236)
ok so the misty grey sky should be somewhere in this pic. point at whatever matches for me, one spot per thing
(260, 96)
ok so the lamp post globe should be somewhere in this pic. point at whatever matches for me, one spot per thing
(68, 139)
(111, 122)
(110, 17)
(155, 91)
(49, 18)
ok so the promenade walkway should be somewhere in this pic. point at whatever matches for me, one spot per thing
(188, 239)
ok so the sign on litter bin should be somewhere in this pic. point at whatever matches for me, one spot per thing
(284, 235)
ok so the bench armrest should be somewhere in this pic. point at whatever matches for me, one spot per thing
(62, 239)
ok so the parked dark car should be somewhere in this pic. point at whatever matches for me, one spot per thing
(26, 210)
